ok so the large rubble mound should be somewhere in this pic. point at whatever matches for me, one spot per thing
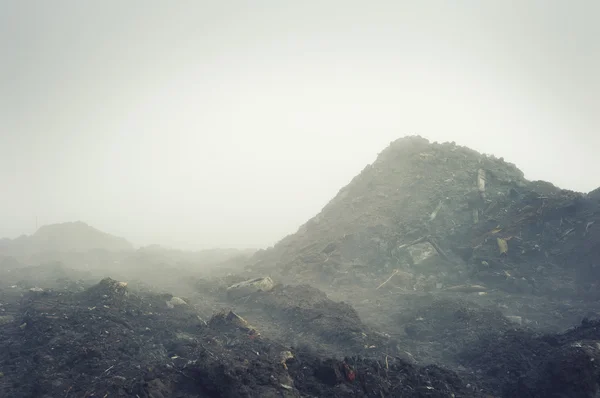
(440, 215)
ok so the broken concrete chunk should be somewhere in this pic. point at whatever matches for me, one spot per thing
(248, 287)
(226, 318)
(421, 252)
(109, 284)
(6, 319)
(515, 319)
(175, 301)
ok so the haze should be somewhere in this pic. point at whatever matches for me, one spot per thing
(201, 124)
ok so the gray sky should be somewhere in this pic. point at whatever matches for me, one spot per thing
(230, 123)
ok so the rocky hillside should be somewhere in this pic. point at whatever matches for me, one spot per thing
(443, 205)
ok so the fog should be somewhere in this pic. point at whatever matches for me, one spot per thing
(229, 124)
(276, 198)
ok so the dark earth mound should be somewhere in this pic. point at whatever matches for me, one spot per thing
(302, 314)
(109, 341)
(476, 218)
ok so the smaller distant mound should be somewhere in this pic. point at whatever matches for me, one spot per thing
(77, 236)
(69, 237)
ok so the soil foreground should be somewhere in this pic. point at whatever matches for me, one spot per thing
(437, 272)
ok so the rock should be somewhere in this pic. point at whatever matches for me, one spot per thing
(175, 301)
(515, 319)
(421, 252)
(226, 318)
(6, 319)
(248, 287)
(108, 291)
(285, 355)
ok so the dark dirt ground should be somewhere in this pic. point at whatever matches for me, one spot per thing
(79, 339)
(107, 340)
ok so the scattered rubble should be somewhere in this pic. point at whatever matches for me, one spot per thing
(174, 301)
(452, 215)
(75, 344)
(245, 288)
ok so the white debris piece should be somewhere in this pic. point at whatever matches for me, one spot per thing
(175, 301)
(515, 318)
(248, 287)
(421, 252)
(481, 181)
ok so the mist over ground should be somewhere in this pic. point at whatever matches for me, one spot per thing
(299, 200)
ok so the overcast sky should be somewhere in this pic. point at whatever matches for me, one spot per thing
(230, 123)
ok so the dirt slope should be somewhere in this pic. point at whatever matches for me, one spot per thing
(488, 223)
